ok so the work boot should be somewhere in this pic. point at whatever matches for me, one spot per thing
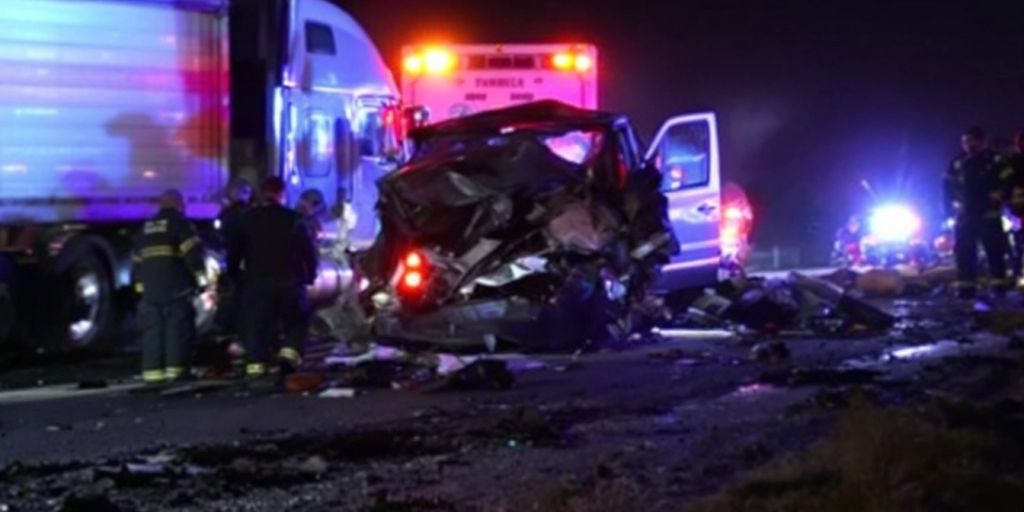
(257, 378)
(255, 371)
(152, 381)
(178, 374)
(288, 361)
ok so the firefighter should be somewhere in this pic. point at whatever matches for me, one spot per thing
(167, 269)
(239, 201)
(1016, 159)
(275, 257)
(313, 209)
(974, 187)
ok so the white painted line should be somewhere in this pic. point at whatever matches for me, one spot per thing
(60, 391)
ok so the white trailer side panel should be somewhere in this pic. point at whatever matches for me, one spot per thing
(104, 104)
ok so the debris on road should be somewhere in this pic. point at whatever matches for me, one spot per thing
(797, 306)
(303, 382)
(769, 352)
(374, 352)
(479, 375)
(314, 465)
(881, 283)
(697, 334)
(338, 393)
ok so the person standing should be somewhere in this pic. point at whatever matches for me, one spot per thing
(1016, 202)
(847, 246)
(974, 187)
(167, 269)
(274, 256)
(313, 210)
(239, 202)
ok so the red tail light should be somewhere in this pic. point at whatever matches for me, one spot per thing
(412, 279)
(734, 229)
(413, 273)
(413, 260)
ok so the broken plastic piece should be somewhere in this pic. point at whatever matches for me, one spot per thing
(694, 334)
(338, 393)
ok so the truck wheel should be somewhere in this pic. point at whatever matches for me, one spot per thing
(83, 300)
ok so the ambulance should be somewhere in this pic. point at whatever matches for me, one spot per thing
(450, 81)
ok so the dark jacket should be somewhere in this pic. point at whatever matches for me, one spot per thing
(272, 245)
(1016, 161)
(229, 218)
(166, 256)
(979, 183)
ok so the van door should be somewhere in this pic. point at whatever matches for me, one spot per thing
(685, 150)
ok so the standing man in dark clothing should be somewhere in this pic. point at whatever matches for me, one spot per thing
(275, 256)
(1016, 159)
(975, 186)
(167, 268)
(239, 202)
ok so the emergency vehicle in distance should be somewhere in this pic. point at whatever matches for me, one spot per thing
(106, 103)
(457, 80)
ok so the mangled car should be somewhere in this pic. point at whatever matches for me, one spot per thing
(536, 226)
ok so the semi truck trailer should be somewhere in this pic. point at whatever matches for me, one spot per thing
(104, 104)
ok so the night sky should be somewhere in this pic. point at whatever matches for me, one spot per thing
(812, 97)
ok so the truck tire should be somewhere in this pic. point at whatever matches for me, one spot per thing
(82, 297)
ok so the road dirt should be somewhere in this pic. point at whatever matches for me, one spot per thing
(656, 427)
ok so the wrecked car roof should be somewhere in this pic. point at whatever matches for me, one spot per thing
(534, 115)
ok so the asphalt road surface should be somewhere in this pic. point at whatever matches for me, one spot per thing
(678, 418)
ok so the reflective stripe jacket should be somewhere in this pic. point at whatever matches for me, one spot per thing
(979, 184)
(166, 257)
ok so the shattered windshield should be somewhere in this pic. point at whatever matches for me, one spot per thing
(575, 147)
